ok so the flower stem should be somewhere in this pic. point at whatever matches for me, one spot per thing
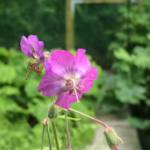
(42, 137)
(88, 116)
(55, 133)
(116, 147)
(29, 71)
(67, 131)
(49, 140)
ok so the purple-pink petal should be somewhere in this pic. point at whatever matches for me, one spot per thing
(60, 62)
(31, 46)
(50, 85)
(66, 99)
(36, 44)
(87, 81)
(41, 45)
(25, 47)
(82, 63)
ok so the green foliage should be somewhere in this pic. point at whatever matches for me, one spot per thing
(5, 77)
(9, 90)
(31, 88)
(46, 19)
(42, 17)
(128, 92)
(127, 82)
(95, 27)
(139, 123)
(131, 87)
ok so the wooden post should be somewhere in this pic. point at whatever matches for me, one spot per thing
(69, 24)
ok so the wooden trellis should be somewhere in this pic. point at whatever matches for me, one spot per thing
(70, 10)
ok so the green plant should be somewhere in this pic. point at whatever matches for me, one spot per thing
(126, 84)
(22, 108)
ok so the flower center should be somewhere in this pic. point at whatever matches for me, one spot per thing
(71, 85)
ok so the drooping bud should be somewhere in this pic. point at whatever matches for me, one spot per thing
(33, 67)
(112, 138)
(36, 65)
(36, 68)
(45, 121)
(52, 112)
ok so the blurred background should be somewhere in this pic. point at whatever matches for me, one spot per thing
(117, 39)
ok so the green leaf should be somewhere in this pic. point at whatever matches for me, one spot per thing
(128, 92)
(8, 104)
(7, 74)
(4, 52)
(139, 123)
(39, 108)
(122, 54)
(9, 90)
(31, 88)
(141, 57)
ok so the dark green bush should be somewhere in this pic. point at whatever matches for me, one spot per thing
(127, 83)
(42, 17)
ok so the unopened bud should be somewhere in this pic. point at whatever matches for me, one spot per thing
(112, 138)
(52, 112)
(45, 121)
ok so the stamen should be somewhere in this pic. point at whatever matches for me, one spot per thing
(75, 91)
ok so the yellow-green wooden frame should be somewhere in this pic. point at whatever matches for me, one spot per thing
(70, 10)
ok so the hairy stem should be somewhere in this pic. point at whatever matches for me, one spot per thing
(49, 140)
(42, 137)
(67, 131)
(88, 116)
(55, 133)
(29, 71)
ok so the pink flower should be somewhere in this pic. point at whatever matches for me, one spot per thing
(32, 47)
(67, 76)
